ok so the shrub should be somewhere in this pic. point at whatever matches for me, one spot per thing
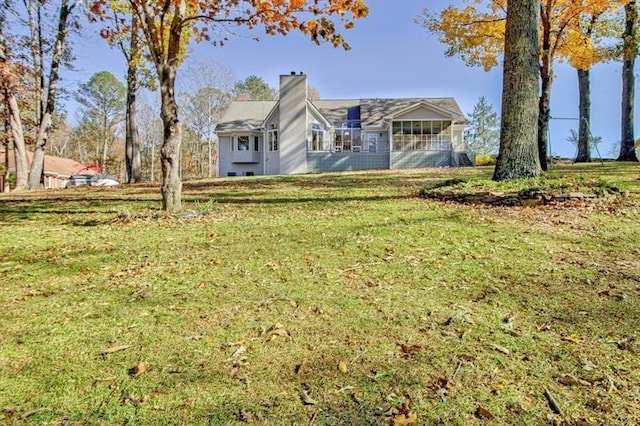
(485, 160)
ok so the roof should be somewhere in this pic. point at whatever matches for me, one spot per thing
(52, 165)
(250, 115)
(245, 115)
(373, 111)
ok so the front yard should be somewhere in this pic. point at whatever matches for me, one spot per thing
(321, 299)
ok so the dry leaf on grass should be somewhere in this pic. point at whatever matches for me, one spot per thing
(403, 419)
(114, 349)
(408, 350)
(484, 413)
(572, 339)
(500, 349)
(306, 399)
(138, 370)
(405, 416)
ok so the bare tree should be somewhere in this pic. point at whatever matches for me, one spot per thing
(206, 91)
(44, 124)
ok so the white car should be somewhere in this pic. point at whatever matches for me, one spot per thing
(104, 180)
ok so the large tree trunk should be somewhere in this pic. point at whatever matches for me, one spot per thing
(20, 151)
(132, 142)
(170, 151)
(37, 164)
(630, 51)
(518, 157)
(584, 133)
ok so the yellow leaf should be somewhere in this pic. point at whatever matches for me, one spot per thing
(404, 419)
(343, 366)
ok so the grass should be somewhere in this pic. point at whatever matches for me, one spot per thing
(346, 291)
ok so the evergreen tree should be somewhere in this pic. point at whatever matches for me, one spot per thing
(483, 134)
(254, 88)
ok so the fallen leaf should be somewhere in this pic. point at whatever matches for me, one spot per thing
(342, 366)
(405, 416)
(307, 400)
(597, 405)
(238, 352)
(281, 332)
(138, 370)
(484, 413)
(408, 349)
(442, 383)
(403, 419)
(114, 349)
(496, 389)
(569, 380)
(500, 349)
(586, 364)
(572, 339)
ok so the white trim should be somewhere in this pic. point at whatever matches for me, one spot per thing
(428, 105)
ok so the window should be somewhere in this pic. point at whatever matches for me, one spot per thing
(317, 138)
(256, 143)
(243, 143)
(348, 137)
(425, 135)
(273, 137)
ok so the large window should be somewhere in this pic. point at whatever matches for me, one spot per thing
(415, 135)
(348, 137)
(273, 137)
(317, 142)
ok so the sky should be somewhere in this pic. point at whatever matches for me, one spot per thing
(391, 57)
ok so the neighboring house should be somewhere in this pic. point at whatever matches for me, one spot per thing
(297, 135)
(57, 171)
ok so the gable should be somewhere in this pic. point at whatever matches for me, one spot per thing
(421, 113)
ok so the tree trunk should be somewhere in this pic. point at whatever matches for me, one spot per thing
(544, 113)
(546, 78)
(134, 168)
(518, 157)
(630, 51)
(20, 151)
(37, 164)
(170, 150)
(132, 144)
(584, 133)
(15, 123)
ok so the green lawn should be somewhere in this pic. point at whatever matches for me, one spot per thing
(323, 299)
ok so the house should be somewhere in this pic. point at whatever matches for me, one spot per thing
(57, 171)
(299, 135)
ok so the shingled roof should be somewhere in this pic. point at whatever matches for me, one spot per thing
(250, 115)
(245, 115)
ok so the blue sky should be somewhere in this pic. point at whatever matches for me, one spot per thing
(391, 56)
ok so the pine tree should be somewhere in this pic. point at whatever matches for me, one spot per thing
(483, 134)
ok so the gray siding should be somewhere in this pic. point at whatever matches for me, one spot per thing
(419, 159)
(343, 161)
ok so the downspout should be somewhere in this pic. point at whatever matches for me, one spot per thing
(390, 136)
(454, 157)
(265, 146)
